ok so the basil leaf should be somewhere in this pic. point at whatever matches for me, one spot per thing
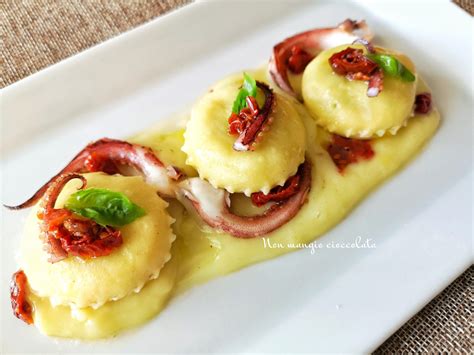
(392, 66)
(250, 85)
(405, 74)
(249, 88)
(239, 102)
(107, 208)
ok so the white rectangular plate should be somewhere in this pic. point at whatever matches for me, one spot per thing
(337, 300)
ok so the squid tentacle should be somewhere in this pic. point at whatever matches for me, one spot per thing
(213, 207)
(251, 134)
(55, 188)
(47, 214)
(197, 195)
(311, 43)
(109, 155)
(64, 234)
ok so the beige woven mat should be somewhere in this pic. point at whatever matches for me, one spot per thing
(467, 5)
(38, 33)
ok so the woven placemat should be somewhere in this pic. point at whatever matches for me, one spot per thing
(39, 33)
(467, 5)
(443, 326)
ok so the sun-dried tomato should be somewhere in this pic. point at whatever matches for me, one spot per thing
(354, 65)
(240, 122)
(66, 234)
(20, 306)
(298, 60)
(345, 151)
(95, 163)
(252, 120)
(259, 118)
(278, 193)
(71, 236)
(88, 239)
(423, 103)
(351, 61)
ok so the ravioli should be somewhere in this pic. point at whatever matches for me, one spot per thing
(342, 106)
(209, 146)
(107, 320)
(92, 282)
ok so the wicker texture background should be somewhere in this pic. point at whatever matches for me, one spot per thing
(467, 5)
(39, 33)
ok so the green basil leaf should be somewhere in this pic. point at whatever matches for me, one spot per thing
(392, 66)
(249, 88)
(250, 85)
(405, 74)
(107, 208)
(239, 102)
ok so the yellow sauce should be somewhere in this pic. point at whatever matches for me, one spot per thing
(201, 253)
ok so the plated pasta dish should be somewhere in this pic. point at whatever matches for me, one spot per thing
(283, 152)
